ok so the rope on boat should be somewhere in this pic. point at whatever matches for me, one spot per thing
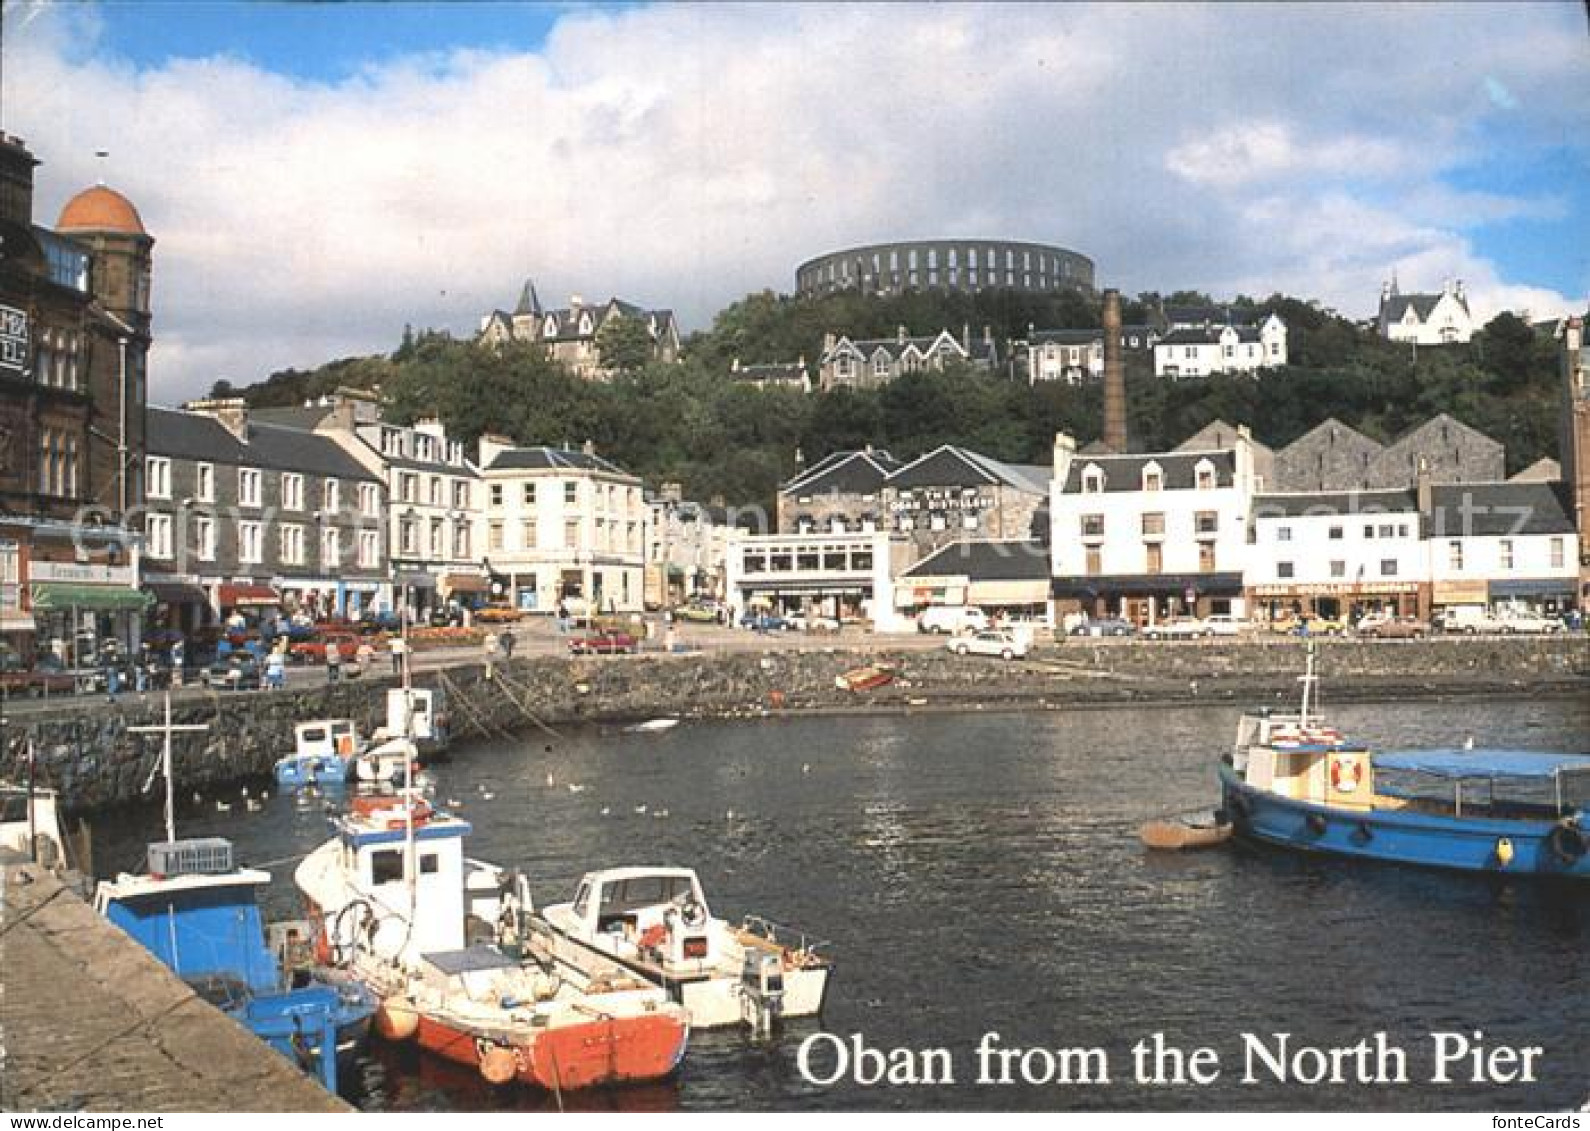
(513, 691)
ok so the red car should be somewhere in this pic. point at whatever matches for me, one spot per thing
(603, 644)
(314, 651)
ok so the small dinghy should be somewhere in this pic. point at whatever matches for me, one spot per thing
(653, 726)
(1189, 830)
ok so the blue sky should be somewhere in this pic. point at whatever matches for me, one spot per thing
(319, 175)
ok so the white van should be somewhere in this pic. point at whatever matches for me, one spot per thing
(952, 619)
(1470, 619)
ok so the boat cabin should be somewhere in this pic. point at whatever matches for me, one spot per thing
(30, 825)
(326, 738)
(412, 712)
(1304, 760)
(646, 912)
(197, 915)
(376, 857)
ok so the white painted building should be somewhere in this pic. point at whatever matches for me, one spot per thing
(1336, 554)
(562, 524)
(848, 576)
(1500, 545)
(1146, 536)
(686, 548)
(1428, 320)
(1205, 350)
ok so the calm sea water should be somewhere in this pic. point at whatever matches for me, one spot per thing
(980, 873)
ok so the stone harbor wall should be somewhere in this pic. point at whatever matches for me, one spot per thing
(85, 750)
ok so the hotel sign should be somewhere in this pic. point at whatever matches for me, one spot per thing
(84, 573)
(13, 338)
(1327, 589)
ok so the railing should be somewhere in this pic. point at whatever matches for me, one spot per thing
(786, 937)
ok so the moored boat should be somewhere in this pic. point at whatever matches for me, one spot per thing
(866, 678)
(443, 941)
(656, 922)
(1292, 782)
(323, 753)
(1186, 831)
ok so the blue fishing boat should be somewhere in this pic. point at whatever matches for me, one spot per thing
(1294, 782)
(323, 754)
(200, 916)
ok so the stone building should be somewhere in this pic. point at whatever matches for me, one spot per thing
(955, 495)
(965, 266)
(841, 492)
(773, 375)
(262, 519)
(1334, 457)
(868, 363)
(1076, 356)
(1218, 435)
(570, 335)
(74, 339)
(1574, 442)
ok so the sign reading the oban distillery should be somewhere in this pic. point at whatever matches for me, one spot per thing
(13, 338)
(940, 499)
(826, 1059)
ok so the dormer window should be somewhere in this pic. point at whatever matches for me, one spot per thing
(1092, 480)
(1204, 476)
(1153, 478)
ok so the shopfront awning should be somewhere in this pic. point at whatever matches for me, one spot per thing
(56, 596)
(415, 579)
(176, 593)
(465, 583)
(1533, 587)
(1149, 585)
(241, 596)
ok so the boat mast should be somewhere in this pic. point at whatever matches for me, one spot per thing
(410, 864)
(168, 729)
(1307, 680)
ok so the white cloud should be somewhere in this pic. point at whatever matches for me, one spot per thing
(684, 155)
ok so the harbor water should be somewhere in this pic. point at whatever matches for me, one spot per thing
(980, 873)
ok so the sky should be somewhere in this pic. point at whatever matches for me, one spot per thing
(317, 176)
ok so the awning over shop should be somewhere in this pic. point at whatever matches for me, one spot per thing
(241, 596)
(54, 596)
(415, 579)
(1149, 585)
(1534, 587)
(464, 583)
(176, 593)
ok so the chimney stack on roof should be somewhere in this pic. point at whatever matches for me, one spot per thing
(1114, 375)
(231, 412)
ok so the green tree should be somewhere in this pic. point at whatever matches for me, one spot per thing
(624, 344)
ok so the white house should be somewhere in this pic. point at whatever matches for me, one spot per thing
(1502, 544)
(1146, 536)
(1336, 554)
(1221, 348)
(1428, 320)
(562, 524)
(848, 576)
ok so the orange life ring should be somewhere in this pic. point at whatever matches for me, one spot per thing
(1346, 775)
(345, 745)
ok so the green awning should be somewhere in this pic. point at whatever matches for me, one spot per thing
(60, 595)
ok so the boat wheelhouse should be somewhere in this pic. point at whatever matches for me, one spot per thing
(443, 940)
(323, 752)
(656, 922)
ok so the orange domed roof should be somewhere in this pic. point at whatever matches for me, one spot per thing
(100, 209)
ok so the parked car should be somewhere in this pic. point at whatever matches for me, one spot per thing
(1104, 626)
(238, 672)
(764, 622)
(1322, 626)
(1470, 620)
(991, 642)
(314, 651)
(498, 614)
(1177, 628)
(800, 622)
(1525, 622)
(47, 676)
(602, 644)
(698, 613)
(1393, 628)
(952, 619)
(1224, 624)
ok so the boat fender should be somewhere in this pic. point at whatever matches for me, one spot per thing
(1567, 843)
(497, 1063)
(693, 914)
(397, 1019)
(1316, 824)
(1504, 851)
(1362, 833)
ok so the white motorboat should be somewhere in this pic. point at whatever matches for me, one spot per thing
(656, 922)
(443, 941)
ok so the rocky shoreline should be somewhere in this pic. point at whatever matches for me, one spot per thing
(85, 751)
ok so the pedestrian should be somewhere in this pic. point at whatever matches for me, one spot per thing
(399, 648)
(490, 645)
(366, 656)
(176, 664)
(507, 645)
(333, 662)
(112, 681)
(563, 617)
(275, 669)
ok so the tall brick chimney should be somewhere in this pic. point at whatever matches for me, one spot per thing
(1114, 375)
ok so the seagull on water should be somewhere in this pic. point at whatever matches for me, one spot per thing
(641, 809)
(551, 781)
(576, 788)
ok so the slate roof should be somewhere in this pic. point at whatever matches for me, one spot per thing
(543, 458)
(783, 371)
(1125, 472)
(1394, 307)
(1498, 510)
(1209, 336)
(195, 436)
(950, 466)
(292, 416)
(979, 349)
(1212, 315)
(984, 560)
(851, 473)
(1345, 503)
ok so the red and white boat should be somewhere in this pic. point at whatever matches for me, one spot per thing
(439, 938)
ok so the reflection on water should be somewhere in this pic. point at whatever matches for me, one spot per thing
(981, 872)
